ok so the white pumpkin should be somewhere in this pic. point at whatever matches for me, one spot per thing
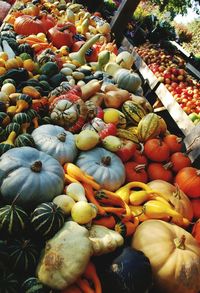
(55, 141)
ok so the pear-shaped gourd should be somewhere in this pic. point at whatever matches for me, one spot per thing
(125, 60)
(87, 139)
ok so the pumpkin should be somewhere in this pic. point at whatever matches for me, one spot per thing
(23, 255)
(8, 282)
(24, 139)
(56, 142)
(173, 253)
(179, 161)
(149, 127)
(33, 285)
(106, 168)
(176, 197)
(47, 219)
(23, 119)
(156, 150)
(196, 207)
(33, 175)
(134, 112)
(47, 20)
(188, 179)
(174, 142)
(27, 25)
(196, 231)
(135, 172)
(160, 171)
(13, 219)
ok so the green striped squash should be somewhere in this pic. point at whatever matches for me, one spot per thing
(8, 282)
(133, 112)
(33, 285)
(12, 127)
(2, 134)
(24, 139)
(25, 98)
(23, 255)
(21, 118)
(149, 127)
(47, 219)
(4, 147)
(13, 219)
(4, 119)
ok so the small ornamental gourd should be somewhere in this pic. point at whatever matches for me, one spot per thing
(69, 110)
(33, 285)
(23, 255)
(8, 282)
(36, 176)
(13, 219)
(47, 219)
(134, 112)
(24, 139)
(55, 141)
(106, 168)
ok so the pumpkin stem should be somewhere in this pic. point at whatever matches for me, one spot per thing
(106, 161)
(140, 167)
(37, 166)
(177, 192)
(168, 165)
(180, 242)
(62, 136)
(141, 148)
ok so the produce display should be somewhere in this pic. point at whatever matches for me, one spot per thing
(170, 69)
(96, 195)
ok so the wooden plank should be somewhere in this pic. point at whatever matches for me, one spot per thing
(121, 18)
(193, 70)
(180, 49)
(175, 110)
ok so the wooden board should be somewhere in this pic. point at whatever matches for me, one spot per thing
(121, 18)
(192, 141)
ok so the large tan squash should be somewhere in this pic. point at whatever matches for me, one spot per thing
(173, 253)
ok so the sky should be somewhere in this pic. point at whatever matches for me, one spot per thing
(191, 15)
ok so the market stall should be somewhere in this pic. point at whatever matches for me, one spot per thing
(99, 192)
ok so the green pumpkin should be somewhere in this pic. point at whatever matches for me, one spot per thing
(8, 282)
(106, 168)
(24, 139)
(36, 176)
(127, 80)
(33, 285)
(47, 219)
(134, 112)
(23, 255)
(13, 219)
(55, 141)
(49, 68)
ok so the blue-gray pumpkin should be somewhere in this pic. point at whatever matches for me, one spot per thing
(30, 177)
(55, 141)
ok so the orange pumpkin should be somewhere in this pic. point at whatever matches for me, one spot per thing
(188, 179)
(196, 231)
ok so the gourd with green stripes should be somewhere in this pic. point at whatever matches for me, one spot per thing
(149, 127)
(24, 139)
(47, 219)
(13, 219)
(8, 282)
(33, 285)
(133, 112)
(23, 255)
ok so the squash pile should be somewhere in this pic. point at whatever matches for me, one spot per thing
(86, 168)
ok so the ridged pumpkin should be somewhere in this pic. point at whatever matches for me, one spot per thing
(33, 175)
(133, 112)
(56, 142)
(106, 168)
(47, 219)
(127, 80)
(173, 253)
(149, 127)
(33, 285)
(23, 255)
(13, 219)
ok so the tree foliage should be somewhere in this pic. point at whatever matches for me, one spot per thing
(177, 6)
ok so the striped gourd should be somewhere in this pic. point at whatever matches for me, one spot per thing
(149, 127)
(33, 285)
(4, 119)
(23, 119)
(2, 134)
(23, 255)
(133, 112)
(4, 147)
(8, 282)
(13, 219)
(127, 134)
(24, 139)
(3, 251)
(47, 219)
(12, 127)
